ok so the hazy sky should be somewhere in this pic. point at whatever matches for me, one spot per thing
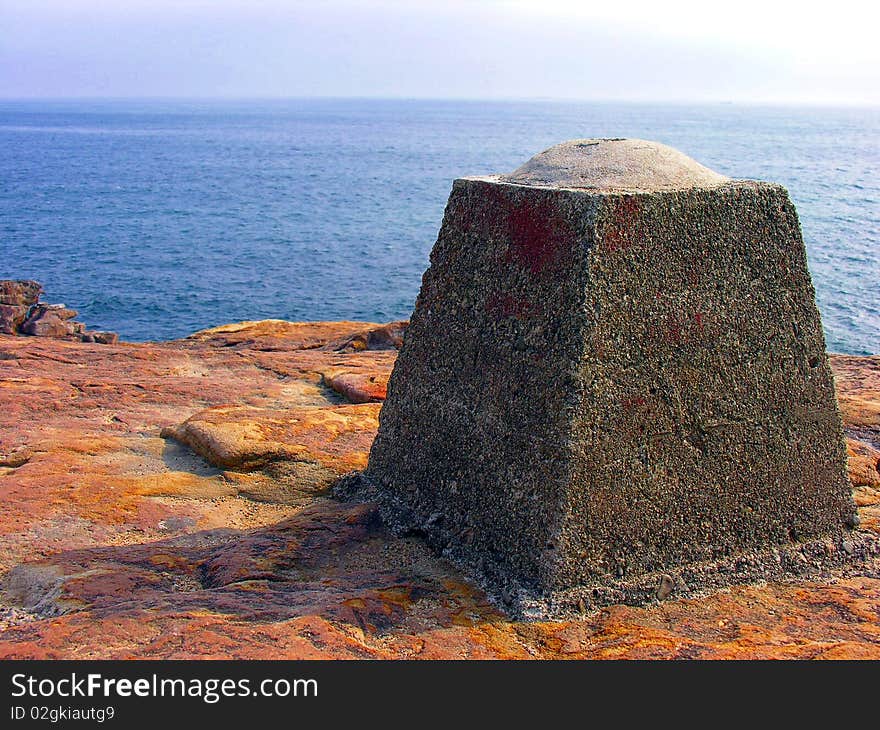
(742, 50)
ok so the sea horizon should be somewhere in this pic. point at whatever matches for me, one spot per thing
(684, 101)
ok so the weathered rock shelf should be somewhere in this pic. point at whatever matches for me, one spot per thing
(22, 313)
(117, 542)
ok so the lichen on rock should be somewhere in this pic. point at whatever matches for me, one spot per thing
(118, 543)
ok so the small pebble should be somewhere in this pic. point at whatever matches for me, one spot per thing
(667, 585)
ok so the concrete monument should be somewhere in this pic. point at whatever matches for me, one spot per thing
(614, 385)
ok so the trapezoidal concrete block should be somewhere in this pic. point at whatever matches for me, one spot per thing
(614, 383)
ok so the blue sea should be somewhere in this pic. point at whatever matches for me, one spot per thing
(158, 218)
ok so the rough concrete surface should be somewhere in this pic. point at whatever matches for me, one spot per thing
(635, 391)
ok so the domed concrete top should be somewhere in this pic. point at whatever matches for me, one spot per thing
(614, 164)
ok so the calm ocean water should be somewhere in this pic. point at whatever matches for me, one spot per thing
(155, 219)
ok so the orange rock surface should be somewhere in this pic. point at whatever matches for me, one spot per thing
(169, 500)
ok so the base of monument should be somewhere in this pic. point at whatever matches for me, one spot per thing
(800, 561)
(823, 556)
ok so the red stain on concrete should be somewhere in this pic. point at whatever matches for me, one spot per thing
(633, 402)
(674, 330)
(539, 237)
(620, 232)
(505, 305)
(683, 328)
(638, 412)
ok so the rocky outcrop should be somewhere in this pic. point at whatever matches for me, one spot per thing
(47, 320)
(385, 337)
(119, 542)
(11, 318)
(247, 438)
(19, 293)
(16, 300)
(21, 312)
